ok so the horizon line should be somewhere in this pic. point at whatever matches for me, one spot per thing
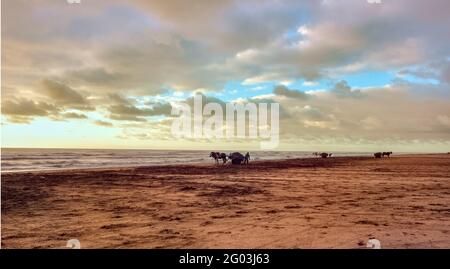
(256, 150)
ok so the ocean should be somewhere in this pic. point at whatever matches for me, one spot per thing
(14, 160)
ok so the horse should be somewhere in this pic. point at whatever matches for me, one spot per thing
(378, 155)
(387, 154)
(325, 155)
(217, 155)
(223, 156)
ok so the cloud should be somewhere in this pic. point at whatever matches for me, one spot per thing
(227, 25)
(343, 90)
(403, 111)
(73, 115)
(205, 99)
(371, 123)
(119, 60)
(23, 110)
(284, 91)
(444, 120)
(119, 99)
(103, 123)
(446, 74)
(312, 113)
(96, 76)
(439, 71)
(63, 95)
(120, 117)
(25, 107)
(173, 44)
(133, 113)
(442, 69)
(160, 109)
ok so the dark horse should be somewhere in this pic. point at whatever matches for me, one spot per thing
(217, 155)
(387, 153)
(378, 155)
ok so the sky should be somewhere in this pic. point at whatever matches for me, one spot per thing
(348, 75)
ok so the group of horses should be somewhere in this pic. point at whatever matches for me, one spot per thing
(382, 154)
(323, 154)
(235, 157)
(238, 158)
(376, 155)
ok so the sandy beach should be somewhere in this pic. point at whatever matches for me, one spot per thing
(404, 201)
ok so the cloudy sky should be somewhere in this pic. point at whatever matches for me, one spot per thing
(348, 75)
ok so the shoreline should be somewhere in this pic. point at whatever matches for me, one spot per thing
(338, 202)
(69, 169)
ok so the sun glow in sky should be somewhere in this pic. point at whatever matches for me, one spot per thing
(102, 73)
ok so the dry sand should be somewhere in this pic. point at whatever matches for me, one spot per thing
(301, 203)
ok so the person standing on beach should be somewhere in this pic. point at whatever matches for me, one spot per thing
(247, 158)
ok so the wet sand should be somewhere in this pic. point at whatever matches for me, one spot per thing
(300, 203)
